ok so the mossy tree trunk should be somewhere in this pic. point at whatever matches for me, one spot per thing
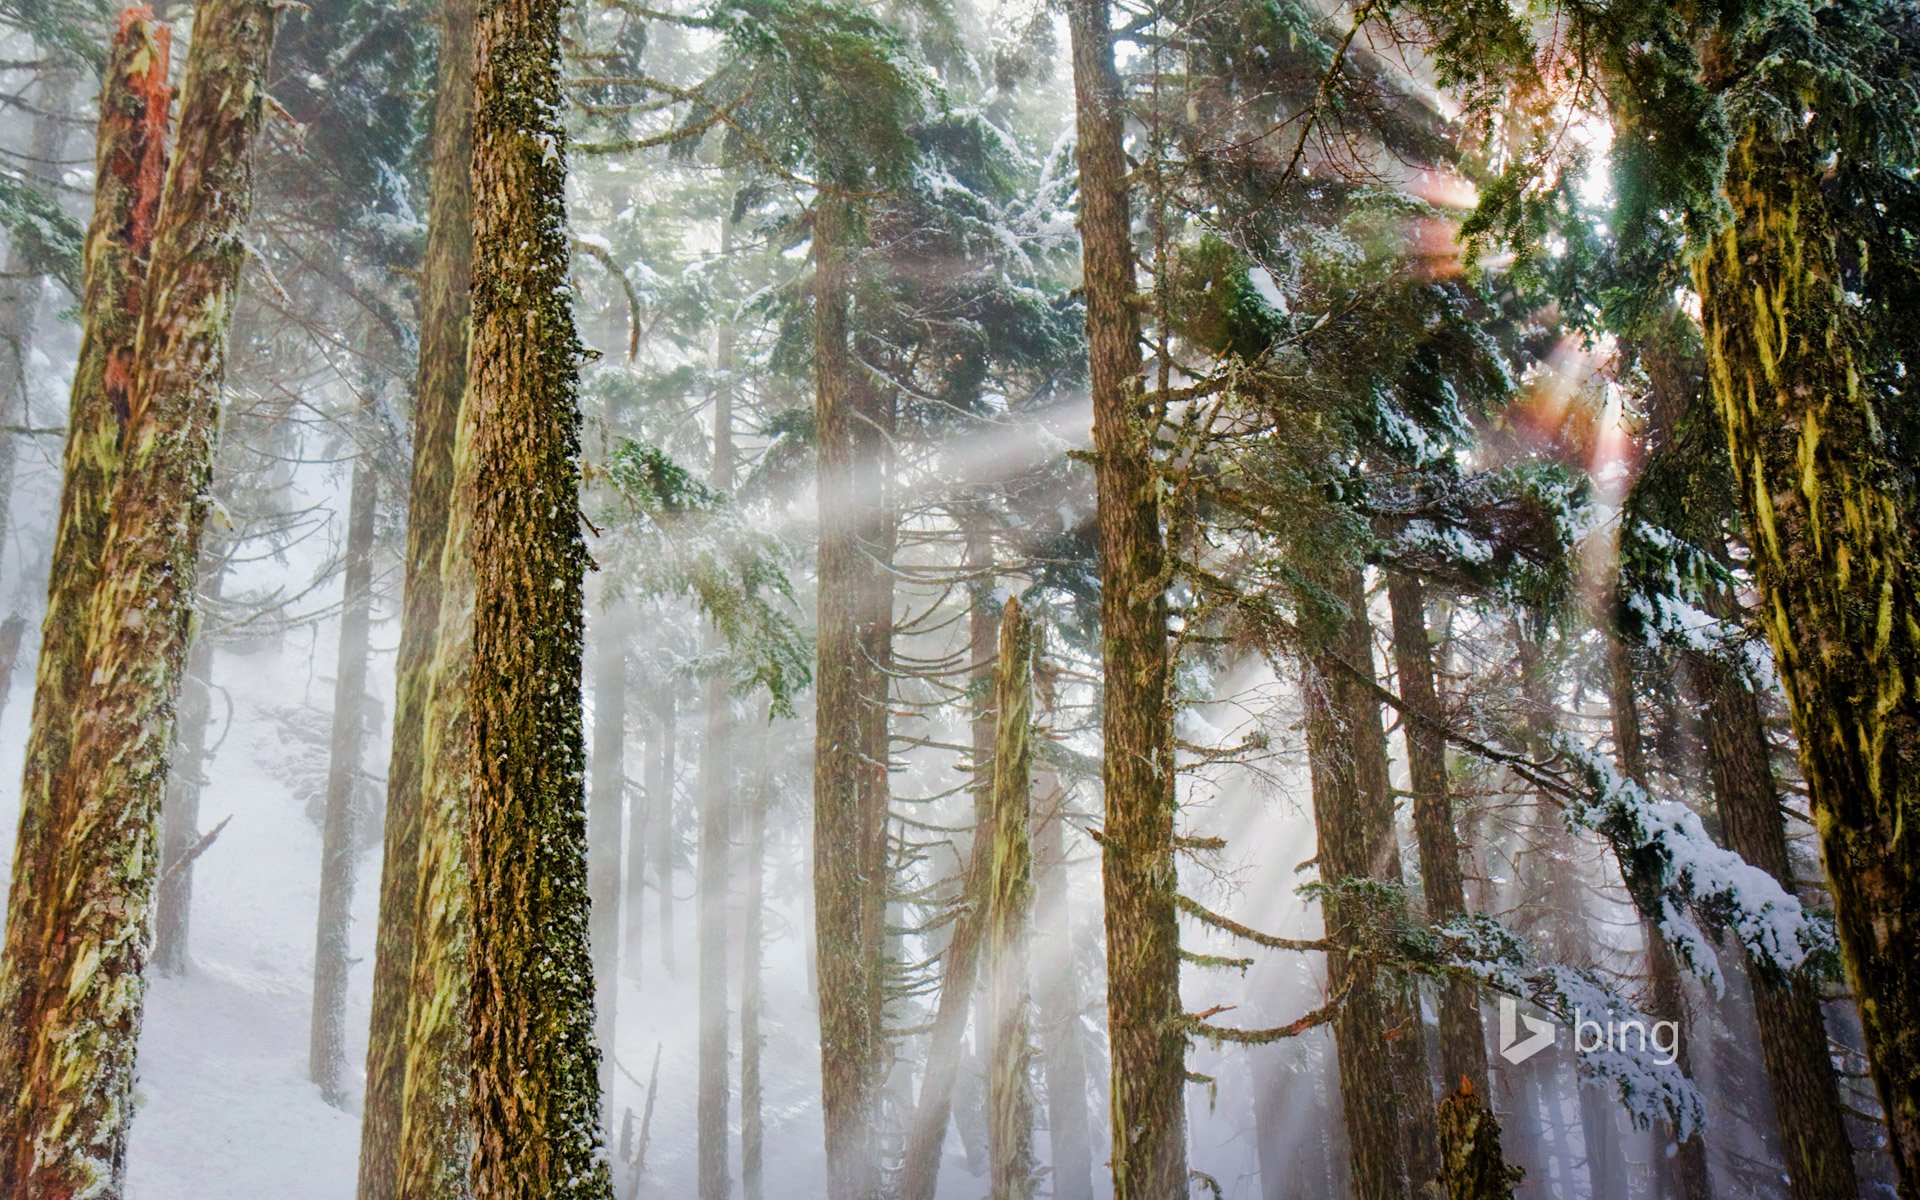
(1009, 917)
(66, 1133)
(1824, 512)
(326, 1051)
(130, 167)
(1147, 1037)
(847, 940)
(534, 1065)
(440, 380)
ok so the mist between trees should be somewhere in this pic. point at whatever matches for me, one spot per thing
(1029, 598)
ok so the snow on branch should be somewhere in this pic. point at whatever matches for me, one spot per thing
(1676, 872)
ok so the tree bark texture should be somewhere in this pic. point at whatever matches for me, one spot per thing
(1472, 1167)
(1792, 1029)
(1141, 882)
(1009, 920)
(847, 937)
(66, 1133)
(130, 164)
(534, 1065)
(440, 379)
(326, 1051)
(1823, 511)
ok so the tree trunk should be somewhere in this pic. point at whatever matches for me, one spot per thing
(1824, 511)
(20, 284)
(535, 1068)
(130, 166)
(608, 785)
(67, 1134)
(752, 971)
(1009, 917)
(716, 789)
(639, 855)
(1141, 880)
(12, 632)
(440, 380)
(1463, 1041)
(1353, 817)
(1792, 1029)
(1685, 1170)
(326, 1052)
(1472, 1167)
(926, 1136)
(1063, 1058)
(847, 945)
(186, 776)
(660, 801)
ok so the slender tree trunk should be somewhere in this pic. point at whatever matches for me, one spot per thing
(440, 380)
(640, 809)
(1010, 917)
(1463, 1042)
(1353, 816)
(326, 1052)
(608, 790)
(926, 1136)
(535, 1068)
(186, 777)
(716, 843)
(1821, 501)
(660, 796)
(131, 162)
(1063, 1057)
(20, 284)
(1685, 1170)
(67, 1133)
(846, 944)
(1143, 936)
(752, 978)
(1792, 1029)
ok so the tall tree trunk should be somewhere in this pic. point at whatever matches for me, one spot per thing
(608, 776)
(1792, 1029)
(67, 1132)
(1009, 988)
(1063, 1058)
(440, 381)
(847, 946)
(535, 1068)
(20, 283)
(752, 976)
(1685, 1170)
(1384, 1094)
(660, 789)
(186, 777)
(130, 166)
(1463, 1042)
(1141, 880)
(326, 1051)
(1828, 522)
(959, 961)
(716, 843)
(1472, 1166)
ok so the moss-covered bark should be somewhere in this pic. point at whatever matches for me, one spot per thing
(1148, 1044)
(1009, 917)
(97, 859)
(439, 381)
(1472, 1166)
(1822, 506)
(847, 939)
(130, 165)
